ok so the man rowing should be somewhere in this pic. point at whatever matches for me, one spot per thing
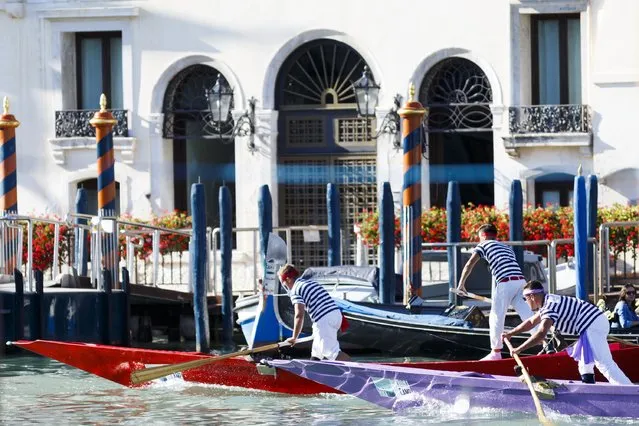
(308, 295)
(507, 283)
(571, 316)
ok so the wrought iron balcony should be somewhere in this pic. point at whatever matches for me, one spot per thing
(75, 123)
(549, 119)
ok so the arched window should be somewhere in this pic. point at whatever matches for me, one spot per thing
(458, 96)
(554, 190)
(200, 154)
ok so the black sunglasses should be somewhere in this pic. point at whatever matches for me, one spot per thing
(630, 292)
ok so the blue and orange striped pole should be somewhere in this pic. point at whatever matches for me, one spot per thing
(8, 183)
(103, 121)
(412, 115)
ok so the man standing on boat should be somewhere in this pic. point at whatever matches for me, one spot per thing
(570, 315)
(308, 295)
(507, 284)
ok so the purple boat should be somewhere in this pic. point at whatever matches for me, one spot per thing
(399, 388)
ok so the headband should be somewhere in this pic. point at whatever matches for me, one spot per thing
(288, 274)
(528, 292)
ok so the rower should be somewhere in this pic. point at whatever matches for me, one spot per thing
(571, 316)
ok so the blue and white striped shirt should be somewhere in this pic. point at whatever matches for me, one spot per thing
(569, 314)
(314, 297)
(500, 257)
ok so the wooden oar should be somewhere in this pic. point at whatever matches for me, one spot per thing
(618, 340)
(152, 373)
(531, 388)
(471, 295)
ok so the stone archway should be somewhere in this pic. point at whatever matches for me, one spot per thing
(202, 152)
(321, 139)
(458, 95)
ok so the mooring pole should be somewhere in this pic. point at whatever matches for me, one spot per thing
(387, 245)
(516, 217)
(103, 121)
(198, 269)
(334, 227)
(9, 187)
(412, 115)
(591, 225)
(226, 249)
(453, 235)
(581, 235)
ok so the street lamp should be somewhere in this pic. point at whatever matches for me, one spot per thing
(220, 99)
(367, 97)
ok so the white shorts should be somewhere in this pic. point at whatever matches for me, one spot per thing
(325, 344)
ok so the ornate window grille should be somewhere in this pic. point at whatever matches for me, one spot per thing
(320, 73)
(75, 123)
(549, 119)
(186, 110)
(458, 96)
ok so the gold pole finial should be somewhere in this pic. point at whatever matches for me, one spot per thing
(5, 105)
(411, 92)
(579, 170)
(103, 102)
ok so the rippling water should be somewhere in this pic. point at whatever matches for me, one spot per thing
(37, 390)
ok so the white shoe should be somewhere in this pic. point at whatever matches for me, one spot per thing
(492, 356)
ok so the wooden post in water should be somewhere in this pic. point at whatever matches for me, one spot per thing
(516, 217)
(581, 235)
(387, 245)
(591, 225)
(9, 186)
(412, 115)
(453, 235)
(226, 251)
(103, 121)
(81, 246)
(334, 226)
(198, 268)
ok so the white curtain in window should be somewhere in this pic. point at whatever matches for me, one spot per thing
(574, 62)
(548, 55)
(91, 73)
(116, 74)
(550, 199)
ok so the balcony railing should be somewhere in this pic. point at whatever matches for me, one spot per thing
(549, 119)
(75, 123)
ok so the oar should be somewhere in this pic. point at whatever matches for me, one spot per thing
(531, 388)
(618, 340)
(152, 373)
(471, 295)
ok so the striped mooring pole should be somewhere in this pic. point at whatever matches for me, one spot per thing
(103, 121)
(412, 115)
(8, 187)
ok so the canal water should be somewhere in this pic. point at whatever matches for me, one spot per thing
(35, 390)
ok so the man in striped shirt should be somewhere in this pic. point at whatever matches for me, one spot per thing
(308, 295)
(571, 316)
(507, 284)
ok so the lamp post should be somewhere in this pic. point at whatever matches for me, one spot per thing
(220, 100)
(367, 97)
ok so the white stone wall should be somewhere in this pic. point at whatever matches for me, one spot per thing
(248, 41)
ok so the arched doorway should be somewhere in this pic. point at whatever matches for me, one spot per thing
(458, 96)
(320, 140)
(202, 152)
(91, 189)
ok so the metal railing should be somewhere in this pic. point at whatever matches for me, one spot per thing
(255, 260)
(549, 119)
(605, 258)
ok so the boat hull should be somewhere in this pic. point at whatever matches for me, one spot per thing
(117, 363)
(399, 388)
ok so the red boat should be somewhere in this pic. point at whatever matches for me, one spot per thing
(117, 363)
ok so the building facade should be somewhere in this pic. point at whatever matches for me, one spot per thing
(516, 89)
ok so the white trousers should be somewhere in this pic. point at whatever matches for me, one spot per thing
(598, 339)
(509, 293)
(325, 344)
